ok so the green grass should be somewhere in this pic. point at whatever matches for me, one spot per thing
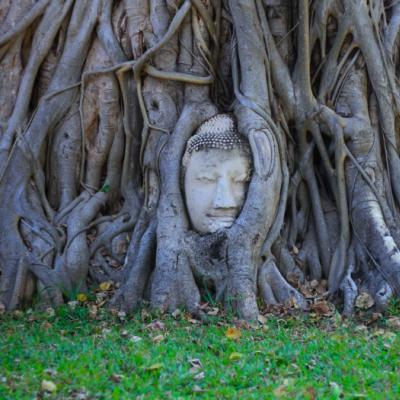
(288, 357)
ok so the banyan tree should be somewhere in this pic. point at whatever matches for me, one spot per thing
(238, 148)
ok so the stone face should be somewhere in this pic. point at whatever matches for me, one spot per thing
(215, 185)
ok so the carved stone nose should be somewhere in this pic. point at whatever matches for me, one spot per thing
(223, 195)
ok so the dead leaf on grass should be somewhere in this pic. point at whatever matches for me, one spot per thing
(311, 393)
(233, 333)
(116, 378)
(154, 367)
(196, 363)
(135, 339)
(156, 325)
(50, 312)
(197, 389)
(364, 301)
(93, 312)
(280, 391)
(214, 311)
(121, 315)
(235, 356)
(199, 376)
(124, 333)
(105, 286)
(73, 304)
(323, 308)
(394, 322)
(261, 319)
(48, 386)
(158, 338)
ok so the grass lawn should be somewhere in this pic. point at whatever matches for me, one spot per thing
(111, 357)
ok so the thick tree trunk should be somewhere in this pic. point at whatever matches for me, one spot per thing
(98, 100)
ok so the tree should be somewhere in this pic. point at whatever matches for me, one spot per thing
(98, 99)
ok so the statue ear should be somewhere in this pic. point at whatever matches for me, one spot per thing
(263, 150)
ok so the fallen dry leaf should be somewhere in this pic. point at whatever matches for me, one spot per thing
(394, 322)
(323, 308)
(235, 356)
(156, 325)
(197, 389)
(135, 339)
(50, 312)
(105, 286)
(361, 328)
(50, 371)
(233, 333)
(72, 304)
(121, 315)
(280, 391)
(81, 297)
(116, 378)
(199, 376)
(154, 367)
(314, 284)
(47, 325)
(311, 393)
(93, 312)
(18, 314)
(124, 333)
(378, 332)
(336, 389)
(261, 319)
(48, 386)
(214, 311)
(196, 363)
(158, 338)
(364, 301)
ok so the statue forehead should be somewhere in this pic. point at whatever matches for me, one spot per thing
(214, 157)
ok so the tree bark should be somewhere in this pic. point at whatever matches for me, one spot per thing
(98, 100)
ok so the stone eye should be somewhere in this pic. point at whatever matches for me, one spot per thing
(241, 179)
(206, 179)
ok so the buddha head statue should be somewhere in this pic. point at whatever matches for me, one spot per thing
(216, 174)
